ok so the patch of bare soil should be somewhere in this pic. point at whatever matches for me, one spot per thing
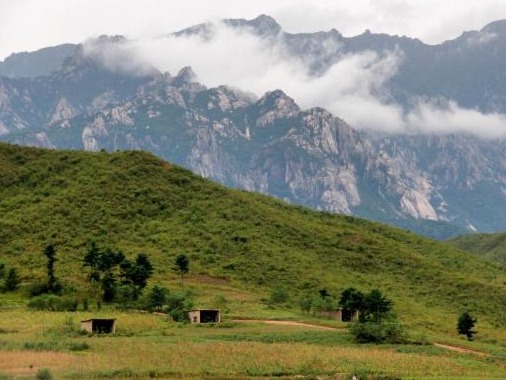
(288, 323)
(462, 350)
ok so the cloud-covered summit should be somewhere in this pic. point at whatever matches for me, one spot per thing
(372, 81)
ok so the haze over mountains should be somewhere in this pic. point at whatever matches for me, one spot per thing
(423, 148)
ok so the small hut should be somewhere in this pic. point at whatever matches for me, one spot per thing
(99, 325)
(343, 315)
(204, 316)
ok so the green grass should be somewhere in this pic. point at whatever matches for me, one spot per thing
(489, 246)
(146, 344)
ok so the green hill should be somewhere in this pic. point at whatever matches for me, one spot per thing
(489, 246)
(136, 202)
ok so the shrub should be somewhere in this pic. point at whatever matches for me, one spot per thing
(38, 289)
(44, 374)
(388, 331)
(279, 295)
(53, 303)
(178, 305)
(12, 281)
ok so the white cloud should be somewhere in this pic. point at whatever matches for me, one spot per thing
(354, 88)
(432, 118)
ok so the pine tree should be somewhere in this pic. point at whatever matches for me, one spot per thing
(52, 283)
(465, 325)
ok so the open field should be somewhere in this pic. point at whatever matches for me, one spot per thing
(150, 346)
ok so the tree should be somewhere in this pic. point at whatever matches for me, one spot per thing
(12, 281)
(52, 282)
(136, 274)
(376, 305)
(157, 298)
(352, 299)
(465, 325)
(182, 266)
(102, 277)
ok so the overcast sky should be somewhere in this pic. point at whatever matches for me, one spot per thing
(27, 25)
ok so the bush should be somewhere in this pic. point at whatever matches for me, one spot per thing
(178, 305)
(279, 295)
(53, 303)
(388, 331)
(44, 374)
(12, 281)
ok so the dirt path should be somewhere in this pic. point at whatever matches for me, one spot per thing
(462, 350)
(288, 323)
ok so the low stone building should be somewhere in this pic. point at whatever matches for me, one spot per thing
(204, 316)
(343, 315)
(99, 325)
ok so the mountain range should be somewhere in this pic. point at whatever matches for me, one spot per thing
(439, 184)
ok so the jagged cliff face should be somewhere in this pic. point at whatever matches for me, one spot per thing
(267, 144)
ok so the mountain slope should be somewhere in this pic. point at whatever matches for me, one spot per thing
(440, 185)
(138, 203)
(489, 246)
(268, 145)
(38, 63)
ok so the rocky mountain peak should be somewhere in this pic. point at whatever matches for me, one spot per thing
(277, 99)
(185, 76)
(262, 26)
(275, 105)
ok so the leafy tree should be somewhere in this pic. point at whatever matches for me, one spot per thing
(136, 274)
(182, 266)
(12, 281)
(372, 306)
(52, 282)
(157, 297)
(103, 274)
(324, 293)
(107, 266)
(352, 299)
(465, 325)
(376, 305)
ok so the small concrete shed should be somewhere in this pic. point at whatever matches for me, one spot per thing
(204, 316)
(343, 315)
(99, 325)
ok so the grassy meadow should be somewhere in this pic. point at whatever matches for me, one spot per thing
(241, 247)
(151, 346)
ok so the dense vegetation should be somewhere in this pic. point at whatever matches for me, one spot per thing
(136, 203)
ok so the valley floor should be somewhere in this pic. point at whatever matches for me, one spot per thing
(151, 346)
